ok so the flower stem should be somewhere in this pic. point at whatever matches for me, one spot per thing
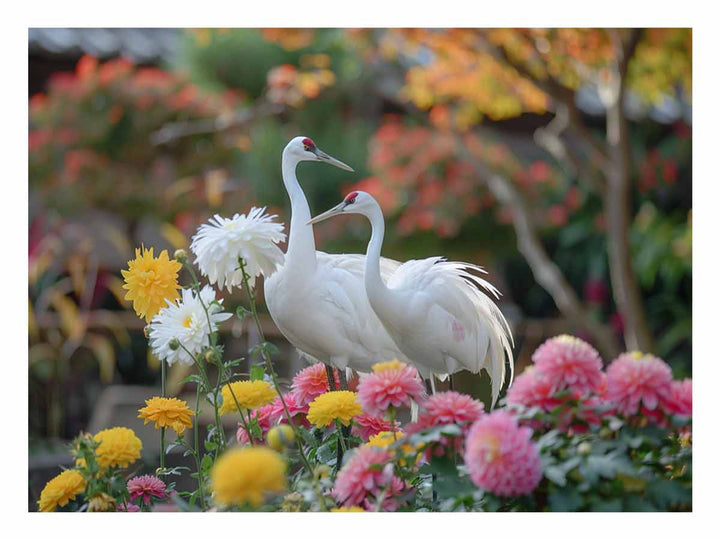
(162, 430)
(341, 438)
(197, 447)
(269, 364)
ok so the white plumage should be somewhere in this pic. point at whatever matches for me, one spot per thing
(318, 300)
(436, 311)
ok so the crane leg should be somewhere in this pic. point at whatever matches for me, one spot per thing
(343, 379)
(331, 377)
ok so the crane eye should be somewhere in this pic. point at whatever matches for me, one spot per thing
(350, 199)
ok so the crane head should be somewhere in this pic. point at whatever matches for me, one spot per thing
(356, 202)
(305, 149)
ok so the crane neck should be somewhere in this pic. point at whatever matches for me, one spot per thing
(301, 243)
(375, 287)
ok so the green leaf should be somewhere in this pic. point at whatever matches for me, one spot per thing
(206, 463)
(567, 500)
(556, 475)
(257, 372)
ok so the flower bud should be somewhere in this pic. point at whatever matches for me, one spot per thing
(146, 331)
(280, 437)
(180, 256)
(322, 471)
(174, 344)
(209, 356)
(584, 448)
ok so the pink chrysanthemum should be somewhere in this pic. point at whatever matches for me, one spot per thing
(395, 387)
(679, 399)
(532, 389)
(127, 507)
(637, 383)
(569, 363)
(365, 477)
(447, 408)
(369, 425)
(146, 486)
(263, 415)
(310, 382)
(297, 412)
(500, 456)
(451, 408)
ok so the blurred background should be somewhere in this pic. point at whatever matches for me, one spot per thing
(560, 160)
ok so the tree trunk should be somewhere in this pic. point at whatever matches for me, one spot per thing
(626, 290)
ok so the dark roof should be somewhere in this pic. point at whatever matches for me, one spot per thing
(141, 45)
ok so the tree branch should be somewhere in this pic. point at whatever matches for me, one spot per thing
(561, 95)
(176, 130)
(546, 272)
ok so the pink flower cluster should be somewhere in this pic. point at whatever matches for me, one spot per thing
(366, 476)
(500, 456)
(447, 408)
(395, 387)
(367, 425)
(312, 381)
(145, 487)
(635, 385)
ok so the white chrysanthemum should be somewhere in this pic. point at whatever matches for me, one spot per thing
(186, 322)
(220, 243)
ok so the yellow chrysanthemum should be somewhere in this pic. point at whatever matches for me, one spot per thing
(61, 490)
(348, 509)
(338, 405)
(248, 475)
(150, 282)
(167, 412)
(387, 366)
(119, 447)
(102, 502)
(386, 438)
(249, 395)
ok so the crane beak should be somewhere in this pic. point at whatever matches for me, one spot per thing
(322, 156)
(330, 213)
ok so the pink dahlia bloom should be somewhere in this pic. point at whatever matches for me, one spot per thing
(310, 382)
(146, 486)
(368, 425)
(363, 479)
(379, 390)
(500, 456)
(569, 363)
(264, 416)
(532, 389)
(679, 399)
(297, 411)
(447, 408)
(451, 408)
(637, 383)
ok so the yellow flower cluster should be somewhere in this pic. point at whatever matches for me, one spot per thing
(249, 395)
(247, 475)
(385, 439)
(150, 282)
(61, 490)
(388, 366)
(167, 412)
(102, 502)
(119, 447)
(339, 405)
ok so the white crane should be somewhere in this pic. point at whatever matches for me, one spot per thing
(318, 300)
(436, 311)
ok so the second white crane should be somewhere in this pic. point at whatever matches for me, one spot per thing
(436, 311)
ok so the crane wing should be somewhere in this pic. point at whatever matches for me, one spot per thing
(464, 296)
